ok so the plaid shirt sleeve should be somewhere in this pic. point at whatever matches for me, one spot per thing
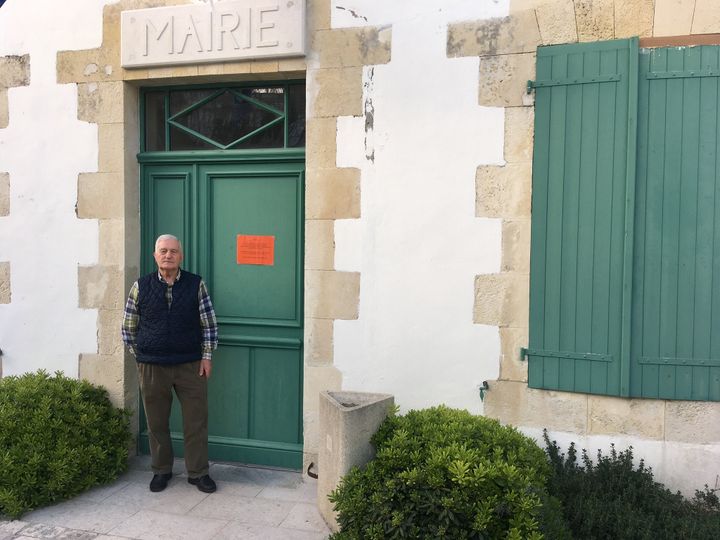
(130, 319)
(207, 322)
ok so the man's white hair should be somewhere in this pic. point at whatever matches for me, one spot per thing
(167, 237)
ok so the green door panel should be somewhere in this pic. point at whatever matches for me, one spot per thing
(255, 392)
(578, 219)
(676, 348)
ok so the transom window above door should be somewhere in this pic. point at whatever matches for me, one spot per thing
(229, 117)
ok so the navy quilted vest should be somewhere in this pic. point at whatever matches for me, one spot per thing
(169, 336)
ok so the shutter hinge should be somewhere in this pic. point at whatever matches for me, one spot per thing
(523, 354)
(484, 387)
(530, 87)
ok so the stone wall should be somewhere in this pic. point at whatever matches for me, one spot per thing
(14, 72)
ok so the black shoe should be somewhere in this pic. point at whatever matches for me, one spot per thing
(203, 483)
(159, 482)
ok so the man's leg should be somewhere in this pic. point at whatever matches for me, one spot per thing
(156, 389)
(191, 390)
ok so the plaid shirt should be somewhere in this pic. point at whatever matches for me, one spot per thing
(207, 317)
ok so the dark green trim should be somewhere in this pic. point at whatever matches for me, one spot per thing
(567, 354)
(216, 156)
(630, 181)
(673, 361)
(265, 342)
(566, 82)
(683, 74)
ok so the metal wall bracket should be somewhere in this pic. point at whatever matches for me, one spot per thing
(484, 387)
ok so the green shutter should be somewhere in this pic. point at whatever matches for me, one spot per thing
(581, 193)
(676, 291)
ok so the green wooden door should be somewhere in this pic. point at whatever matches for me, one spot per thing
(208, 202)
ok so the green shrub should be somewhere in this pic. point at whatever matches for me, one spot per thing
(611, 498)
(444, 473)
(58, 437)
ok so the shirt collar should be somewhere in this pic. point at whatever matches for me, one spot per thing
(177, 278)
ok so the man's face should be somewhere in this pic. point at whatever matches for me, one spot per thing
(168, 255)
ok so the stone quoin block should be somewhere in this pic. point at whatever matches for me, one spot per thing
(634, 18)
(318, 341)
(512, 367)
(319, 244)
(338, 92)
(14, 71)
(332, 294)
(332, 193)
(503, 79)
(503, 192)
(321, 143)
(4, 194)
(515, 246)
(5, 286)
(595, 20)
(696, 422)
(502, 299)
(517, 33)
(673, 17)
(519, 125)
(100, 195)
(352, 47)
(556, 21)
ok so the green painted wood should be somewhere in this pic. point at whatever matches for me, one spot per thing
(677, 275)
(255, 393)
(578, 219)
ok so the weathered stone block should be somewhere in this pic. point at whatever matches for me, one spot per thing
(514, 403)
(112, 242)
(332, 193)
(673, 17)
(706, 19)
(318, 341)
(106, 371)
(556, 21)
(100, 103)
(321, 143)
(5, 285)
(317, 14)
(516, 246)
(347, 422)
(109, 336)
(111, 148)
(4, 194)
(14, 71)
(634, 18)
(502, 299)
(339, 92)
(83, 66)
(503, 79)
(332, 295)
(503, 191)
(519, 124)
(639, 417)
(264, 66)
(4, 109)
(512, 367)
(696, 422)
(317, 379)
(517, 33)
(595, 20)
(319, 244)
(101, 287)
(100, 195)
(352, 47)
(292, 65)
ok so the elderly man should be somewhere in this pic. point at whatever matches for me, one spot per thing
(170, 327)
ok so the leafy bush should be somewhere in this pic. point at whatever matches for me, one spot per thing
(58, 437)
(613, 499)
(444, 473)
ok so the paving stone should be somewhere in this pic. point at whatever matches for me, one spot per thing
(178, 498)
(56, 533)
(151, 525)
(244, 509)
(253, 475)
(242, 531)
(304, 492)
(80, 515)
(305, 517)
(8, 529)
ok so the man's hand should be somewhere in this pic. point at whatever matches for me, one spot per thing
(205, 368)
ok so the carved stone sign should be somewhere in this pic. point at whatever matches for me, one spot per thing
(212, 32)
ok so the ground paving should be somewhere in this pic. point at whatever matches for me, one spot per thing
(250, 502)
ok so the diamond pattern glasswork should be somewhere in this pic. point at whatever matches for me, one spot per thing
(225, 118)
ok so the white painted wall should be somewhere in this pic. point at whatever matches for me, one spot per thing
(44, 148)
(680, 466)
(418, 244)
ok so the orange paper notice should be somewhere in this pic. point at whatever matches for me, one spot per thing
(255, 249)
